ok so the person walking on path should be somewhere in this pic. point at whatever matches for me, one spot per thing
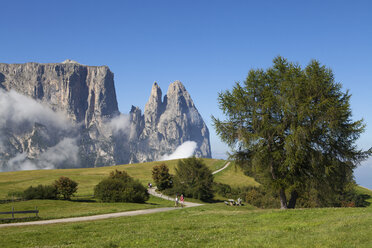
(182, 200)
(176, 202)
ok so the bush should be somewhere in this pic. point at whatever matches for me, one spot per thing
(16, 195)
(40, 192)
(65, 187)
(161, 176)
(193, 179)
(120, 187)
(121, 175)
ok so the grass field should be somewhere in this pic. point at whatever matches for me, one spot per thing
(84, 204)
(234, 176)
(211, 225)
(54, 209)
(86, 177)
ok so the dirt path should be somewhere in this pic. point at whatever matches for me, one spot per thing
(113, 215)
(226, 165)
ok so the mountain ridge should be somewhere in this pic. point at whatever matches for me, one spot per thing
(85, 98)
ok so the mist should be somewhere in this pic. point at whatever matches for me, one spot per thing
(119, 124)
(185, 150)
(22, 117)
(17, 109)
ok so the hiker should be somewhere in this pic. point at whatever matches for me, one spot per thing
(239, 203)
(181, 200)
(176, 202)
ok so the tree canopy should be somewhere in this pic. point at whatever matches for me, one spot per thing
(193, 179)
(291, 128)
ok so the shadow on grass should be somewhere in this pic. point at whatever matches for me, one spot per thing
(84, 200)
(16, 220)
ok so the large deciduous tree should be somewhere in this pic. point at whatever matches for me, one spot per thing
(291, 128)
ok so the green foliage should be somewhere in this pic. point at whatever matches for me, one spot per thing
(121, 175)
(120, 187)
(15, 195)
(161, 176)
(65, 187)
(193, 179)
(40, 192)
(255, 196)
(291, 128)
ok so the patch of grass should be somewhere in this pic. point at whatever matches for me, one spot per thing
(211, 225)
(53, 209)
(234, 176)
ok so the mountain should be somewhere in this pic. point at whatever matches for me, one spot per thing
(65, 115)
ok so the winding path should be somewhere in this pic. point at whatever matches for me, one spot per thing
(152, 191)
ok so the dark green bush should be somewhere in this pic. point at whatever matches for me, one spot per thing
(40, 192)
(121, 175)
(161, 176)
(65, 187)
(120, 187)
(193, 179)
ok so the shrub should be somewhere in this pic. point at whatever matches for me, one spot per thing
(193, 179)
(40, 192)
(16, 195)
(65, 187)
(120, 187)
(161, 176)
(121, 175)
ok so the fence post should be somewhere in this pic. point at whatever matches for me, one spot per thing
(12, 212)
(36, 212)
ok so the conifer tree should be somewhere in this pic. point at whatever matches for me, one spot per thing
(291, 128)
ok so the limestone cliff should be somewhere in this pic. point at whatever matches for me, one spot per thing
(170, 122)
(63, 115)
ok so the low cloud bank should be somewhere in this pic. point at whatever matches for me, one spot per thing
(120, 123)
(18, 109)
(65, 152)
(186, 150)
(22, 116)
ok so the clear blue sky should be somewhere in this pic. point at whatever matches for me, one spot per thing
(208, 45)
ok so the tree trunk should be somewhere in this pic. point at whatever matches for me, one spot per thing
(283, 199)
(293, 199)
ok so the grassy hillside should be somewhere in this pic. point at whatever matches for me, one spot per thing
(86, 177)
(212, 225)
(234, 176)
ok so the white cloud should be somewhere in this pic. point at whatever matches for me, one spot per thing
(65, 152)
(19, 114)
(185, 150)
(21, 162)
(120, 123)
(19, 109)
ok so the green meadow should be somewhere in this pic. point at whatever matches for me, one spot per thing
(210, 225)
(83, 204)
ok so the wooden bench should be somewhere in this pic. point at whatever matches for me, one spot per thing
(36, 212)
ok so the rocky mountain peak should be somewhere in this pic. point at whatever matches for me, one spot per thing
(170, 123)
(69, 61)
(154, 106)
(70, 118)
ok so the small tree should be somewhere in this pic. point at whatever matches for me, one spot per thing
(66, 187)
(194, 179)
(161, 176)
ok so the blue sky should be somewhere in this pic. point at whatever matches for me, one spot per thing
(207, 45)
